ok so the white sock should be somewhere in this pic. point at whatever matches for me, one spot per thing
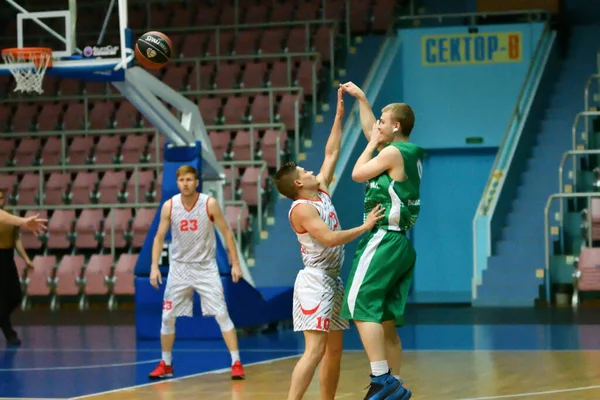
(379, 368)
(397, 377)
(166, 356)
(235, 356)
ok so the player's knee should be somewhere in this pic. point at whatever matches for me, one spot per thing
(333, 353)
(225, 322)
(316, 348)
(168, 326)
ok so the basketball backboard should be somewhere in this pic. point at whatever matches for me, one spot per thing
(88, 40)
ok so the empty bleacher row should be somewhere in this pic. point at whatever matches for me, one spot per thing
(68, 228)
(266, 72)
(102, 115)
(73, 277)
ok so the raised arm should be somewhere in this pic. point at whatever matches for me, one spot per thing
(306, 218)
(367, 118)
(368, 167)
(332, 148)
(159, 241)
(216, 214)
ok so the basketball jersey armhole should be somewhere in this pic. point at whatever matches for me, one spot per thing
(292, 223)
(207, 211)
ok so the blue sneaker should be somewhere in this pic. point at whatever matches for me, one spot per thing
(383, 386)
(401, 393)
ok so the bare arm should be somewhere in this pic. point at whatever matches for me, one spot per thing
(306, 218)
(32, 223)
(161, 232)
(217, 216)
(159, 241)
(367, 118)
(332, 149)
(367, 167)
(21, 251)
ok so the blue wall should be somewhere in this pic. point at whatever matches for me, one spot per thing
(453, 102)
(453, 181)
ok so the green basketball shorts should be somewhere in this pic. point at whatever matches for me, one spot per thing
(380, 279)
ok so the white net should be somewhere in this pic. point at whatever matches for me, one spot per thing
(28, 66)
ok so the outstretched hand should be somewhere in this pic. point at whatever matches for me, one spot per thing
(377, 213)
(353, 90)
(34, 224)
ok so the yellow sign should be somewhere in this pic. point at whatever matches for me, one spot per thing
(471, 48)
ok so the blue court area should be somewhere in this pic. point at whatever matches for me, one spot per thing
(70, 361)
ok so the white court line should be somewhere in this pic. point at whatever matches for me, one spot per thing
(288, 350)
(79, 366)
(216, 371)
(511, 396)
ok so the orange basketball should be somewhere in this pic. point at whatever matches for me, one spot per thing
(153, 50)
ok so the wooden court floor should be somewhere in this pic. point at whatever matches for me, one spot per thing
(431, 375)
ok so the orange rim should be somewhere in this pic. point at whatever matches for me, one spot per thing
(37, 55)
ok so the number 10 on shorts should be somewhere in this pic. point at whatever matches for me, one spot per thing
(323, 324)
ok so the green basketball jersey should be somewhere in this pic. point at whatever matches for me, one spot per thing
(401, 199)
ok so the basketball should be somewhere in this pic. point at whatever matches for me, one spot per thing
(153, 50)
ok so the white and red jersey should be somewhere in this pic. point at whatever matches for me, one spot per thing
(192, 231)
(314, 253)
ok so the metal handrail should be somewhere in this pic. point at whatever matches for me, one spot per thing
(587, 195)
(487, 202)
(116, 96)
(261, 173)
(586, 97)
(236, 27)
(583, 114)
(474, 15)
(570, 153)
(239, 218)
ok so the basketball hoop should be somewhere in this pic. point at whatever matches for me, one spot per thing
(28, 65)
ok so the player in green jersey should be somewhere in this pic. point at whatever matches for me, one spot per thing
(384, 261)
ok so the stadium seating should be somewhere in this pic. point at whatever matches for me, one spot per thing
(580, 230)
(258, 78)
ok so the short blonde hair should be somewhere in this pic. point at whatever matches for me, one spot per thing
(402, 113)
(187, 169)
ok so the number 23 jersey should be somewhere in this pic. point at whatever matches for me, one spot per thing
(192, 231)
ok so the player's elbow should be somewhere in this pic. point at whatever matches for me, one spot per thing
(358, 177)
(331, 240)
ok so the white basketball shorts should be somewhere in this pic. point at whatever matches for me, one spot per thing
(318, 302)
(183, 280)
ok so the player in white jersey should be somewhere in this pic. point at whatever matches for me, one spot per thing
(191, 217)
(318, 290)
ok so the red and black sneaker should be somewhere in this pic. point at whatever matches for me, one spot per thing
(162, 371)
(237, 371)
